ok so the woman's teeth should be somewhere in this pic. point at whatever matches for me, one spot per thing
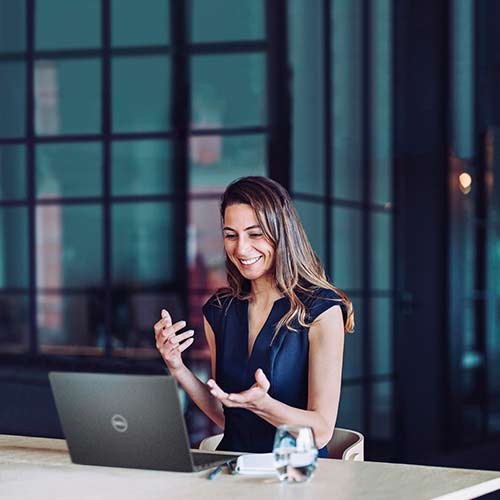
(249, 262)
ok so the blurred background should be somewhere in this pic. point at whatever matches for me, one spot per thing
(121, 123)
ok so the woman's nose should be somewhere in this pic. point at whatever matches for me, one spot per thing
(242, 246)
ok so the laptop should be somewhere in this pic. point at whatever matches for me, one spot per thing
(131, 421)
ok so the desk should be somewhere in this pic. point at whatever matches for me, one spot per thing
(41, 468)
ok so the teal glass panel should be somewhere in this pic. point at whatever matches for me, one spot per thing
(142, 167)
(347, 248)
(381, 101)
(12, 25)
(205, 256)
(12, 99)
(12, 172)
(69, 169)
(308, 107)
(350, 413)
(14, 256)
(381, 418)
(226, 20)
(67, 24)
(141, 93)
(69, 251)
(140, 23)
(382, 333)
(217, 160)
(14, 323)
(312, 216)
(143, 243)
(347, 98)
(382, 261)
(228, 91)
(71, 324)
(68, 96)
(353, 344)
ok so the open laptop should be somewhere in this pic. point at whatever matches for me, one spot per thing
(126, 421)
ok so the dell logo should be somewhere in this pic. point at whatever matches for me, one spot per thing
(119, 423)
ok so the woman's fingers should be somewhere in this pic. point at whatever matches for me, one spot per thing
(177, 339)
(182, 347)
(215, 390)
(166, 316)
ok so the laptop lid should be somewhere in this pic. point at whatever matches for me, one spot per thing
(122, 420)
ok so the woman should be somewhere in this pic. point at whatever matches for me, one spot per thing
(276, 333)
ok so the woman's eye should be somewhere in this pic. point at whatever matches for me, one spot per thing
(230, 236)
(256, 235)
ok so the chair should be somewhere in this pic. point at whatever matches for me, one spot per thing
(344, 445)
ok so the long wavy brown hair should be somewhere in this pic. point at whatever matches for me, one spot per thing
(297, 267)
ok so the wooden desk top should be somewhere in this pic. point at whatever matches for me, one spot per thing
(41, 468)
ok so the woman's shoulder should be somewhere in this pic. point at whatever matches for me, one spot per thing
(318, 300)
(219, 301)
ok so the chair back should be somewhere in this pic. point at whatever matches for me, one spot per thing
(346, 445)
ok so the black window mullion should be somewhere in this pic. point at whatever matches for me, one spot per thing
(328, 134)
(30, 172)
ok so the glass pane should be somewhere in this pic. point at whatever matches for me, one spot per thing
(143, 243)
(353, 346)
(69, 249)
(312, 216)
(14, 322)
(228, 91)
(381, 423)
(13, 99)
(67, 24)
(70, 169)
(382, 260)
(382, 336)
(12, 25)
(12, 172)
(67, 97)
(141, 94)
(140, 23)
(347, 248)
(71, 324)
(308, 107)
(347, 78)
(14, 256)
(206, 256)
(381, 101)
(223, 20)
(350, 413)
(217, 160)
(133, 316)
(141, 168)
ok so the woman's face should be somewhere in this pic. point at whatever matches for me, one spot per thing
(245, 244)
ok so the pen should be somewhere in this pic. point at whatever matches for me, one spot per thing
(217, 470)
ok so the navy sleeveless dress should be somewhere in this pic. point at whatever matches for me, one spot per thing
(284, 361)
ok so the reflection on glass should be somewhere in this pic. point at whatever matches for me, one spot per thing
(67, 96)
(312, 216)
(12, 99)
(206, 256)
(14, 263)
(351, 408)
(141, 168)
(217, 160)
(14, 322)
(347, 248)
(69, 169)
(140, 23)
(68, 246)
(67, 24)
(382, 261)
(133, 315)
(12, 25)
(71, 324)
(381, 421)
(143, 243)
(141, 93)
(353, 349)
(226, 20)
(228, 91)
(381, 324)
(347, 102)
(12, 172)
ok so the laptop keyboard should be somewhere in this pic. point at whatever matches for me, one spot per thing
(205, 459)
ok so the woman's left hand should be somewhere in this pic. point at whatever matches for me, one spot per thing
(251, 399)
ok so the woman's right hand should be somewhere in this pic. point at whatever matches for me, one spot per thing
(169, 344)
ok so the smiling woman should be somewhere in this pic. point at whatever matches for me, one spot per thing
(276, 333)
